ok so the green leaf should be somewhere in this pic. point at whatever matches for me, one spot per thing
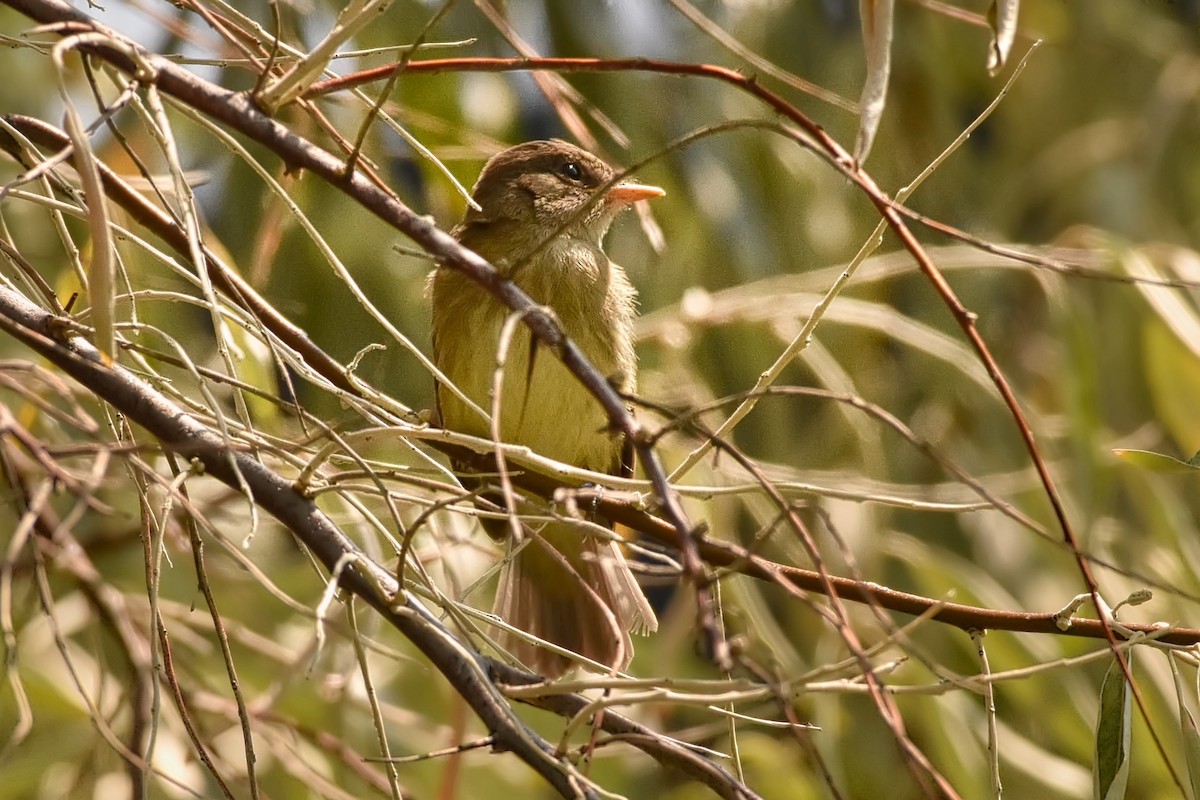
(1188, 730)
(1158, 462)
(1173, 375)
(1110, 772)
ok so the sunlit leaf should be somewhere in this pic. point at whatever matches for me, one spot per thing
(1173, 374)
(1170, 347)
(101, 267)
(1157, 461)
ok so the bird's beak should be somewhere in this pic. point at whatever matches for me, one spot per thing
(627, 192)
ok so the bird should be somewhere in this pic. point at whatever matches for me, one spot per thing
(541, 212)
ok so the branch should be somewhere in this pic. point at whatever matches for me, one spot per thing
(666, 751)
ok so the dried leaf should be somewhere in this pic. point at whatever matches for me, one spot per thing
(1002, 16)
(877, 20)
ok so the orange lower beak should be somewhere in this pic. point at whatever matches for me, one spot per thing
(633, 192)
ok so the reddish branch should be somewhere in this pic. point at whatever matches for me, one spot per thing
(828, 148)
(741, 560)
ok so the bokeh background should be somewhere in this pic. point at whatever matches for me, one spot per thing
(1090, 161)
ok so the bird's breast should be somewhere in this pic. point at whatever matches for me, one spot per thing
(544, 408)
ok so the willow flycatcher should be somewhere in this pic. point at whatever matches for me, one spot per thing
(541, 224)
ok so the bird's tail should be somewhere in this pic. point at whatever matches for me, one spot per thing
(575, 591)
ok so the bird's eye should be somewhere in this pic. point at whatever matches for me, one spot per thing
(572, 171)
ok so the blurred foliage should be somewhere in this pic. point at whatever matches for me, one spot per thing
(1092, 153)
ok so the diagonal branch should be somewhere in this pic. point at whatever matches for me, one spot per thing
(182, 433)
(472, 676)
(617, 507)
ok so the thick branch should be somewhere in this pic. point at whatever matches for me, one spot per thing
(180, 432)
(661, 749)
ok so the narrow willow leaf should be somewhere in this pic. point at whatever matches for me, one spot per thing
(102, 266)
(1170, 348)
(357, 15)
(1188, 730)
(877, 16)
(1172, 371)
(1002, 16)
(1191, 747)
(1158, 462)
(1110, 771)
